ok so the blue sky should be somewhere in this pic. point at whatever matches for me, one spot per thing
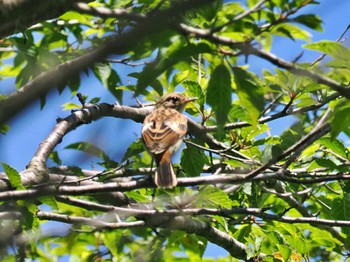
(114, 135)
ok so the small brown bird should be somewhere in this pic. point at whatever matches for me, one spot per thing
(162, 133)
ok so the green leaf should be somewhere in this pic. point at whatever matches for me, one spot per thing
(138, 195)
(341, 210)
(333, 49)
(285, 251)
(193, 89)
(70, 106)
(322, 163)
(335, 146)
(219, 94)
(250, 93)
(13, 176)
(109, 78)
(50, 201)
(4, 128)
(299, 243)
(55, 157)
(135, 148)
(177, 79)
(271, 152)
(341, 207)
(340, 118)
(310, 20)
(291, 31)
(192, 161)
(214, 197)
(168, 57)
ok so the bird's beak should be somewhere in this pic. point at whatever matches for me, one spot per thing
(190, 99)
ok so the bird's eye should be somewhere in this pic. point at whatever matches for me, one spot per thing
(174, 99)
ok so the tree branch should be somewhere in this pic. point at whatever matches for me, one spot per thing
(106, 12)
(248, 49)
(17, 16)
(117, 44)
(191, 226)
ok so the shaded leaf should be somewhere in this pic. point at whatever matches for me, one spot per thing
(135, 148)
(192, 161)
(310, 20)
(168, 57)
(250, 93)
(4, 128)
(219, 94)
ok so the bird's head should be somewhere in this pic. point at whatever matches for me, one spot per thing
(175, 101)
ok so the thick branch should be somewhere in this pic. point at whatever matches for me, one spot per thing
(17, 16)
(106, 12)
(118, 44)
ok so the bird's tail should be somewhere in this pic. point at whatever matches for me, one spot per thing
(165, 176)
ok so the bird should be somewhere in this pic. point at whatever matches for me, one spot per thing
(162, 132)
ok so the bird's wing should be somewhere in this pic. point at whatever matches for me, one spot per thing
(162, 130)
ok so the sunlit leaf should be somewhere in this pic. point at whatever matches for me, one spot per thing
(333, 49)
(214, 196)
(13, 176)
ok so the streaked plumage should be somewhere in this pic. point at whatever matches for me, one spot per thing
(162, 133)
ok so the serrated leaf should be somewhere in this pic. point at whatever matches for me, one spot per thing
(250, 93)
(333, 49)
(192, 161)
(222, 221)
(214, 197)
(193, 89)
(335, 146)
(13, 176)
(340, 118)
(168, 57)
(219, 94)
(291, 31)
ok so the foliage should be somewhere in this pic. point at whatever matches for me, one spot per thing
(274, 198)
